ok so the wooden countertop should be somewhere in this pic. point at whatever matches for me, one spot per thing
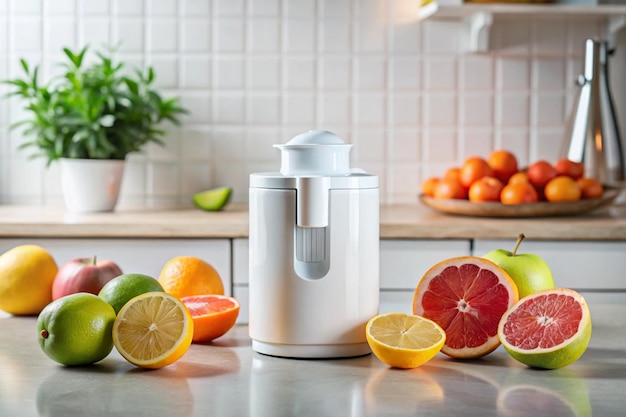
(410, 221)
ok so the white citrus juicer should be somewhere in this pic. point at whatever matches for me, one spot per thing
(314, 260)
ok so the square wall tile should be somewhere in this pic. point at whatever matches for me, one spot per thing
(549, 142)
(550, 74)
(195, 72)
(335, 36)
(263, 72)
(369, 145)
(264, 7)
(300, 35)
(195, 7)
(406, 39)
(404, 183)
(196, 35)
(477, 110)
(550, 37)
(550, 109)
(228, 108)
(195, 144)
(166, 71)
(195, 177)
(130, 33)
(199, 106)
(514, 110)
(514, 74)
(128, 7)
(228, 144)
(371, 73)
(475, 142)
(263, 35)
(62, 7)
(95, 31)
(511, 36)
(516, 141)
(441, 37)
(162, 178)
(162, 7)
(334, 108)
(228, 35)
(90, 7)
(477, 72)
(26, 33)
(404, 145)
(259, 144)
(370, 108)
(405, 110)
(228, 72)
(440, 146)
(441, 110)
(299, 73)
(371, 36)
(263, 108)
(405, 73)
(338, 9)
(440, 74)
(163, 35)
(229, 7)
(300, 8)
(335, 73)
(23, 7)
(59, 33)
(299, 108)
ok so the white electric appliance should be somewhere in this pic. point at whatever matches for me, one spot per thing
(314, 252)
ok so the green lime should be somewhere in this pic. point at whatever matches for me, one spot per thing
(212, 200)
(76, 329)
(121, 289)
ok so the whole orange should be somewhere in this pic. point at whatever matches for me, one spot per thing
(570, 168)
(590, 187)
(562, 189)
(185, 276)
(540, 173)
(449, 188)
(485, 189)
(503, 163)
(518, 193)
(473, 169)
(428, 186)
(453, 173)
(519, 177)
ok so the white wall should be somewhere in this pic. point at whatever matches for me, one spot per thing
(257, 72)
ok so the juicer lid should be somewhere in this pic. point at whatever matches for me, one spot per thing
(316, 152)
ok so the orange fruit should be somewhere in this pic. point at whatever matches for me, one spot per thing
(590, 188)
(213, 315)
(540, 173)
(27, 273)
(184, 276)
(485, 189)
(449, 188)
(519, 177)
(453, 174)
(562, 189)
(548, 329)
(518, 193)
(570, 168)
(153, 330)
(503, 163)
(403, 340)
(428, 186)
(466, 296)
(474, 168)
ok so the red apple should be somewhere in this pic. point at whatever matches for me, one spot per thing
(84, 275)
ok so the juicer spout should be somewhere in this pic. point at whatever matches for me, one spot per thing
(312, 201)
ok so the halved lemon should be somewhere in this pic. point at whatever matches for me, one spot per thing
(404, 340)
(153, 330)
(212, 200)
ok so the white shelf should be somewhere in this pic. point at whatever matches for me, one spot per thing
(478, 18)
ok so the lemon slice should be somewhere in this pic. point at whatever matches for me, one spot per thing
(153, 330)
(212, 200)
(404, 340)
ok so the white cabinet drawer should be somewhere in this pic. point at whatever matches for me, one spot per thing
(404, 262)
(579, 265)
(144, 256)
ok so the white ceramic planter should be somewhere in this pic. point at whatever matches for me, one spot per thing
(91, 185)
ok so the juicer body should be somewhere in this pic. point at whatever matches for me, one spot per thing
(314, 277)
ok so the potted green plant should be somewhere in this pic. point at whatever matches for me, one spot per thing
(94, 114)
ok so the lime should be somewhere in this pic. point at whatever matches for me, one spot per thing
(76, 329)
(120, 290)
(212, 200)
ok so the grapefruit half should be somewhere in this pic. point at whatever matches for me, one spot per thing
(466, 296)
(548, 329)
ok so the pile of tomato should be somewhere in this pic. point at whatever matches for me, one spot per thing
(498, 178)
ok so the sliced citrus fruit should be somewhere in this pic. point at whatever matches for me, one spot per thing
(548, 329)
(213, 315)
(212, 200)
(153, 330)
(404, 340)
(466, 296)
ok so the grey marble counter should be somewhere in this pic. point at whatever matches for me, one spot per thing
(227, 378)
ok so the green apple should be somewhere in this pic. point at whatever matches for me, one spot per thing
(530, 272)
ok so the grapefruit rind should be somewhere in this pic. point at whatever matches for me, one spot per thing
(492, 341)
(387, 333)
(560, 355)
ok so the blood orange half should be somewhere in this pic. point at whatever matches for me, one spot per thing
(213, 315)
(466, 296)
(548, 329)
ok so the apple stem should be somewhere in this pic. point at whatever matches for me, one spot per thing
(94, 260)
(520, 239)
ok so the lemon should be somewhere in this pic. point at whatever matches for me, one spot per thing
(548, 329)
(153, 330)
(404, 340)
(76, 329)
(26, 276)
(121, 289)
(212, 200)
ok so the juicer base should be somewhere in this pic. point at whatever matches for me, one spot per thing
(312, 351)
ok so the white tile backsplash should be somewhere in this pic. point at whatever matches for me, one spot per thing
(255, 73)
